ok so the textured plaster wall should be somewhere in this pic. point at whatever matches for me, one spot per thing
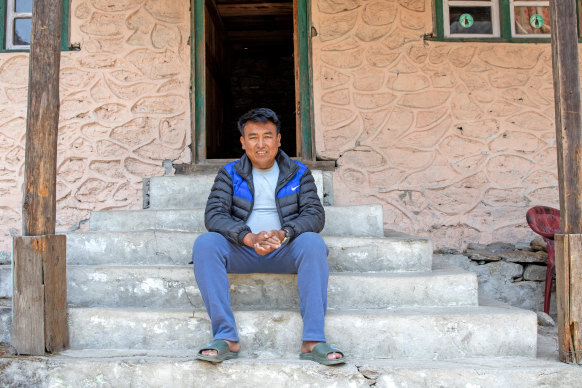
(455, 140)
(124, 109)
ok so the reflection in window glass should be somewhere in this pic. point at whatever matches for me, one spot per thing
(23, 5)
(470, 20)
(22, 31)
(532, 20)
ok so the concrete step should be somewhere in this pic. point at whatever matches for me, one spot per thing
(364, 220)
(110, 368)
(415, 333)
(175, 287)
(190, 191)
(395, 252)
(5, 321)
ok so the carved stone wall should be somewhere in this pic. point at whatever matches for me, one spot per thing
(455, 140)
(124, 109)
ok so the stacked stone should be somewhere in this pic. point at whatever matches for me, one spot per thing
(513, 274)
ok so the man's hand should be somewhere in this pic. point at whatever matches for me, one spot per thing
(264, 242)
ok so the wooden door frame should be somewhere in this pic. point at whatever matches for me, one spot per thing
(303, 80)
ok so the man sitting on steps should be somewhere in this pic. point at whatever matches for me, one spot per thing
(263, 215)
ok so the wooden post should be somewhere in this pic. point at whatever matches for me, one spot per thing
(569, 143)
(39, 320)
(40, 294)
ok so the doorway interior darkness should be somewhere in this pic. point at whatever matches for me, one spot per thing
(249, 63)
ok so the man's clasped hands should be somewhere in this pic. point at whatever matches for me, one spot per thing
(264, 242)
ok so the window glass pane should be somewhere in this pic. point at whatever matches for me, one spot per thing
(532, 20)
(23, 5)
(470, 20)
(22, 31)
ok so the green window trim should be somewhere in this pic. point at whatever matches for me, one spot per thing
(64, 29)
(504, 25)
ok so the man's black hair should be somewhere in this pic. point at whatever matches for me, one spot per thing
(261, 115)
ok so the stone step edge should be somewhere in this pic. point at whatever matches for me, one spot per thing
(71, 367)
(398, 237)
(393, 253)
(157, 192)
(441, 311)
(140, 356)
(369, 216)
(285, 373)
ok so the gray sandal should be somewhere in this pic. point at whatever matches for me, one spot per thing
(221, 346)
(320, 352)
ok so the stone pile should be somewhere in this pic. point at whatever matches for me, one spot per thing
(509, 273)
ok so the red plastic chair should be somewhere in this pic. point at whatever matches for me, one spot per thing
(545, 221)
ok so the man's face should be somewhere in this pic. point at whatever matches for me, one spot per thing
(261, 143)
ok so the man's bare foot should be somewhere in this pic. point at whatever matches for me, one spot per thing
(232, 346)
(307, 347)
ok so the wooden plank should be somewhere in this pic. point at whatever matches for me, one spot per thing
(575, 270)
(39, 203)
(199, 56)
(566, 73)
(310, 132)
(39, 321)
(297, 80)
(229, 10)
(55, 292)
(216, 19)
(259, 35)
(304, 32)
(28, 335)
(562, 296)
(569, 296)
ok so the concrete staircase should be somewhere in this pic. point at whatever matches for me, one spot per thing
(136, 317)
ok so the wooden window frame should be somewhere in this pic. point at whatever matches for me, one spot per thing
(11, 15)
(7, 16)
(522, 3)
(493, 4)
(506, 27)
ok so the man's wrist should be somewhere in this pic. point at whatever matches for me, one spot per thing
(248, 239)
(286, 235)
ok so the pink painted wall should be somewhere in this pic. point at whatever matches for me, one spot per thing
(455, 140)
(124, 109)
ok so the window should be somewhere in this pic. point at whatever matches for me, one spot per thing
(507, 20)
(530, 19)
(16, 22)
(473, 19)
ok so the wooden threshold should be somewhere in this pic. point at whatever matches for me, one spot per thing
(213, 165)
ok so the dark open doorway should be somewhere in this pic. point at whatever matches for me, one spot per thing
(249, 63)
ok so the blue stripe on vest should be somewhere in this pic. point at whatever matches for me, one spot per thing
(294, 185)
(240, 187)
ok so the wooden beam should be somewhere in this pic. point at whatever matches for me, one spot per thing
(39, 304)
(566, 74)
(259, 36)
(40, 168)
(40, 294)
(27, 298)
(298, 142)
(199, 58)
(568, 112)
(569, 296)
(256, 9)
